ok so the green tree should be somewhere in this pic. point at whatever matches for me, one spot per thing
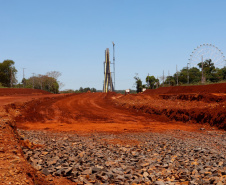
(1, 86)
(86, 89)
(182, 76)
(224, 73)
(81, 89)
(67, 91)
(93, 90)
(8, 73)
(138, 83)
(194, 75)
(55, 75)
(221, 73)
(50, 84)
(151, 82)
(209, 71)
(170, 80)
(43, 82)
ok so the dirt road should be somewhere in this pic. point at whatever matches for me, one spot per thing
(91, 112)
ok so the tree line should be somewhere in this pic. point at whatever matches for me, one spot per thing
(47, 82)
(80, 90)
(206, 72)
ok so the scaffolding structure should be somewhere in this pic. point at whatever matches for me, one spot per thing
(108, 83)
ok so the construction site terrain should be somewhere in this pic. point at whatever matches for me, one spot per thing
(169, 135)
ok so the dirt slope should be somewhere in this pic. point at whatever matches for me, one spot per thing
(14, 91)
(204, 104)
(212, 88)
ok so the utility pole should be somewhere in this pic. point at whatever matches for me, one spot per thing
(169, 77)
(163, 78)
(202, 71)
(157, 85)
(33, 80)
(23, 78)
(148, 81)
(177, 75)
(11, 79)
(187, 73)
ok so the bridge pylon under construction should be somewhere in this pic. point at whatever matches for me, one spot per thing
(108, 83)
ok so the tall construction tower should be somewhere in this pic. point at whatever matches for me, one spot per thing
(114, 61)
(108, 84)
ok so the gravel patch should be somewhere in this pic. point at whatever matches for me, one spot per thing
(173, 157)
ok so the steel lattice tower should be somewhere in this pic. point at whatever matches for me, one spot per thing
(108, 84)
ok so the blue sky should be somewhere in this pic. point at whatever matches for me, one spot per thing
(71, 36)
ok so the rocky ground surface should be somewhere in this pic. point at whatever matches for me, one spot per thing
(14, 168)
(173, 157)
(141, 139)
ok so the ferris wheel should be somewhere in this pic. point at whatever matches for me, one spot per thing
(206, 52)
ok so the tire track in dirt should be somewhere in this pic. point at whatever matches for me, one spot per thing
(91, 112)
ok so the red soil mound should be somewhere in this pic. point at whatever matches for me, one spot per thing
(212, 88)
(14, 91)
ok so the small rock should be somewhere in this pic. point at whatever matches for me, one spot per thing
(45, 171)
(145, 174)
(95, 169)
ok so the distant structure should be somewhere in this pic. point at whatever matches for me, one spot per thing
(205, 52)
(114, 61)
(127, 91)
(108, 83)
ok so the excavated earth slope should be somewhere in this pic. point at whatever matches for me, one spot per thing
(191, 104)
(165, 136)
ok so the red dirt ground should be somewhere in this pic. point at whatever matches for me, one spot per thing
(12, 91)
(90, 112)
(186, 108)
(212, 88)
